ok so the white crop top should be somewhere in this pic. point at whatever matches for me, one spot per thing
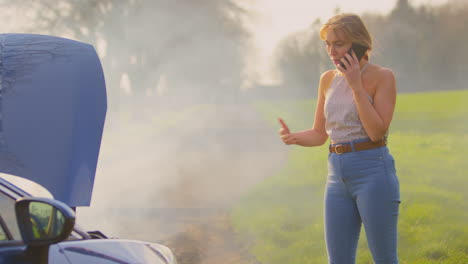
(342, 119)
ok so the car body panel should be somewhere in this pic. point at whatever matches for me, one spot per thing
(52, 111)
(57, 256)
(12, 252)
(99, 251)
(109, 251)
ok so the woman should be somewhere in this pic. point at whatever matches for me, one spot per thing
(355, 105)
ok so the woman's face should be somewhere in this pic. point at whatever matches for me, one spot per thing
(337, 45)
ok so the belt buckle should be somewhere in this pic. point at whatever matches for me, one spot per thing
(337, 151)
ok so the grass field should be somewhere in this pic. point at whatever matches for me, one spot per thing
(429, 140)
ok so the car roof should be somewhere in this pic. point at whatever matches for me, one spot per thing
(18, 192)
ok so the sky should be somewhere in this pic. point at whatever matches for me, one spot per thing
(274, 19)
(269, 22)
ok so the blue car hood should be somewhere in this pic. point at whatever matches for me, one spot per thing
(52, 111)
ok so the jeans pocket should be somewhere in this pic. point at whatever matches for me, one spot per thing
(393, 182)
(392, 169)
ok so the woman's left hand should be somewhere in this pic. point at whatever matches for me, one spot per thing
(352, 72)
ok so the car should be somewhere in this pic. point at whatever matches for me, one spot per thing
(52, 111)
(42, 230)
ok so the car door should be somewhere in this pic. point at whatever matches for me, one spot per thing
(11, 246)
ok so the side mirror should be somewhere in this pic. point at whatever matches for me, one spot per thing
(43, 221)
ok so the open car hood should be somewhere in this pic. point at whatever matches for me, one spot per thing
(52, 111)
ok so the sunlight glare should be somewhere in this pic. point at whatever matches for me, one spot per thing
(273, 20)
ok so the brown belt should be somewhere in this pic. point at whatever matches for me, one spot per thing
(346, 147)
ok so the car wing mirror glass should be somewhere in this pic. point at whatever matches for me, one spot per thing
(44, 221)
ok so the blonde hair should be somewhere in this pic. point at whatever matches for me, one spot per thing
(352, 26)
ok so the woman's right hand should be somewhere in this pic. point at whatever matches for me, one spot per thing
(286, 136)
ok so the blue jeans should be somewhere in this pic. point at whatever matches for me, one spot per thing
(362, 187)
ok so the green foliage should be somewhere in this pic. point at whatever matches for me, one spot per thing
(138, 43)
(428, 139)
(416, 43)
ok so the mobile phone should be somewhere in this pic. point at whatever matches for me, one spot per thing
(359, 49)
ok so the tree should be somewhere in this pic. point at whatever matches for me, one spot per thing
(301, 58)
(194, 46)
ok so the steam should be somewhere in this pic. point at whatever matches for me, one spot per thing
(182, 141)
(181, 137)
